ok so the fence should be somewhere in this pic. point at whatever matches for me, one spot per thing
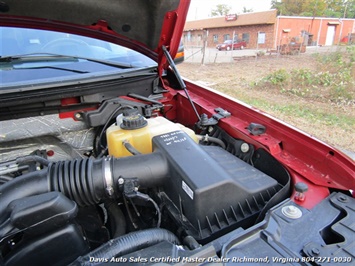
(201, 55)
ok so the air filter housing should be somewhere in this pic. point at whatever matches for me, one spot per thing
(212, 188)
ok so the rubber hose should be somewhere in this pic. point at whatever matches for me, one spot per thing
(191, 242)
(117, 221)
(80, 180)
(84, 180)
(30, 184)
(212, 140)
(4, 179)
(132, 150)
(126, 244)
(150, 169)
(32, 158)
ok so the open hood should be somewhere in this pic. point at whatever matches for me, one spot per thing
(144, 26)
(153, 169)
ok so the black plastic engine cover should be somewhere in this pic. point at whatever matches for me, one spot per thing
(41, 213)
(55, 248)
(212, 188)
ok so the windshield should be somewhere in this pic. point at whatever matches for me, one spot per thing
(30, 56)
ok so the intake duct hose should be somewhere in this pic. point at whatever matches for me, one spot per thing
(86, 181)
(126, 244)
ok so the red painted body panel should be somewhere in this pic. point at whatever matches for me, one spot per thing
(308, 159)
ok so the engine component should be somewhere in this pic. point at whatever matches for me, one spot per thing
(127, 244)
(215, 192)
(206, 190)
(85, 181)
(46, 223)
(58, 247)
(132, 119)
(326, 233)
(237, 147)
(40, 213)
(141, 137)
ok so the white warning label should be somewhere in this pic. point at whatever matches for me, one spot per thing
(188, 190)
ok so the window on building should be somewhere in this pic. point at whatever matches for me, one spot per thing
(246, 37)
(199, 37)
(215, 38)
(261, 37)
(226, 37)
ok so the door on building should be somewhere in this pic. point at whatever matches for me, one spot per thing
(261, 37)
(330, 35)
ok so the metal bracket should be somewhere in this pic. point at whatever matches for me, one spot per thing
(108, 177)
(99, 117)
(205, 121)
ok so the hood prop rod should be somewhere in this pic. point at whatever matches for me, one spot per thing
(180, 80)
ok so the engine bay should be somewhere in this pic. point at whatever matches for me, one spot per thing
(61, 193)
(107, 155)
(74, 191)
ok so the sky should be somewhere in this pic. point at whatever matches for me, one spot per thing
(201, 9)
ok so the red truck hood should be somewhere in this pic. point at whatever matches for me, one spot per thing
(144, 26)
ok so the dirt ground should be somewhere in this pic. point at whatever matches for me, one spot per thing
(235, 78)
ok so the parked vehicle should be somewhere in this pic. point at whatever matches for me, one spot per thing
(228, 44)
(107, 155)
(292, 48)
(180, 55)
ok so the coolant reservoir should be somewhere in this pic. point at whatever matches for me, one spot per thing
(138, 131)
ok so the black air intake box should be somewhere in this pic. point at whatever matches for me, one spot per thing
(212, 188)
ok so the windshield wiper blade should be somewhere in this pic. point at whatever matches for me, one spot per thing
(56, 68)
(32, 58)
(46, 57)
(109, 63)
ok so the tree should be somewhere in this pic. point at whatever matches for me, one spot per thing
(350, 9)
(341, 8)
(247, 10)
(297, 7)
(220, 10)
(288, 7)
(315, 8)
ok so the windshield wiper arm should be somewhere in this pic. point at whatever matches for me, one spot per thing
(45, 57)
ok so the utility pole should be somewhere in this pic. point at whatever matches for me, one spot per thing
(346, 7)
(204, 46)
(232, 46)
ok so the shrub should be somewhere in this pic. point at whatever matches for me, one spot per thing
(333, 81)
(278, 77)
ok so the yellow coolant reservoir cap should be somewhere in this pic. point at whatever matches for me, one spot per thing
(132, 119)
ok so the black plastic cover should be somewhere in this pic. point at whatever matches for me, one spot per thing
(55, 248)
(210, 186)
(324, 235)
(40, 213)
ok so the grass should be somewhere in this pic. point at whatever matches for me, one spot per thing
(315, 93)
(311, 114)
(332, 81)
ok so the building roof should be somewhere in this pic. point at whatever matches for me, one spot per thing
(246, 19)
